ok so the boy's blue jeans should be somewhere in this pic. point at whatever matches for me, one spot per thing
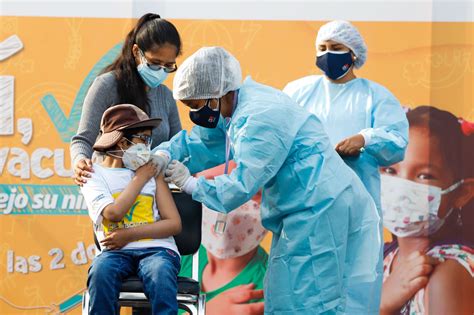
(157, 267)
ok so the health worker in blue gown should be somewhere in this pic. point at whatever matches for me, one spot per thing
(364, 121)
(326, 229)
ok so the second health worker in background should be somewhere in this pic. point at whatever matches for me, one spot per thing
(357, 114)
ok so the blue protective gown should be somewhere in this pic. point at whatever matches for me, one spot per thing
(326, 230)
(358, 106)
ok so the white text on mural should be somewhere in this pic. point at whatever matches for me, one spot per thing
(34, 263)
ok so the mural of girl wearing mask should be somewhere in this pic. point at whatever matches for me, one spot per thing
(231, 265)
(428, 206)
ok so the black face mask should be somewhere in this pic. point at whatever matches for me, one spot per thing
(206, 116)
(335, 65)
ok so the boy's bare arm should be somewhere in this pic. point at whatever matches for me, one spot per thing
(170, 221)
(169, 224)
(116, 211)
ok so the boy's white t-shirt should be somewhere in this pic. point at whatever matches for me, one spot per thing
(104, 186)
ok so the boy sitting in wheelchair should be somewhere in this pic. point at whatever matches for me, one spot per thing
(134, 215)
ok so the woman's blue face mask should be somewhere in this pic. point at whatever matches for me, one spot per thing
(334, 64)
(151, 77)
(206, 116)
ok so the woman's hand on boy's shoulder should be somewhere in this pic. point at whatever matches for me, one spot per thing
(117, 239)
(82, 171)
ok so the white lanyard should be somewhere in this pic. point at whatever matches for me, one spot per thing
(221, 220)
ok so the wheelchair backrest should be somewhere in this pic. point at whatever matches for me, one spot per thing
(189, 239)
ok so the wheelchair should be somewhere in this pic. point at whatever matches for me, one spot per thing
(189, 297)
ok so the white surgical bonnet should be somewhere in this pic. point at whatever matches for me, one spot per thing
(211, 72)
(347, 34)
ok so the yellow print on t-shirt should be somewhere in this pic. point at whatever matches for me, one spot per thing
(140, 213)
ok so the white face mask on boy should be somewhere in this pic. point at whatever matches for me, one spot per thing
(138, 154)
(410, 208)
(135, 156)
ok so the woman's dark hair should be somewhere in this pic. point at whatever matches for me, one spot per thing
(457, 150)
(150, 31)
